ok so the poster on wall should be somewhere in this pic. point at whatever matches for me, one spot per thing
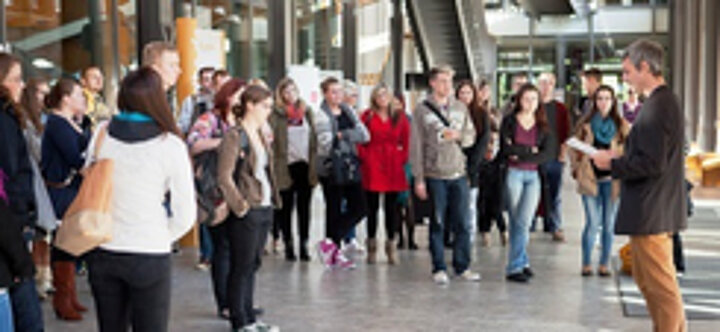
(308, 81)
(210, 48)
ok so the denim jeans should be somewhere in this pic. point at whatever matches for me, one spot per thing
(522, 196)
(206, 245)
(473, 213)
(600, 211)
(554, 172)
(450, 199)
(6, 317)
(26, 307)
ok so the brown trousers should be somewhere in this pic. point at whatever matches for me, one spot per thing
(654, 274)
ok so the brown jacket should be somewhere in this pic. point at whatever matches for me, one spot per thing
(240, 188)
(278, 122)
(582, 170)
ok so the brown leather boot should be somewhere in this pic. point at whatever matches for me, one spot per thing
(371, 251)
(75, 303)
(64, 280)
(390, 252)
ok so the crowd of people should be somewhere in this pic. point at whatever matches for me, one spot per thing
(242, 160)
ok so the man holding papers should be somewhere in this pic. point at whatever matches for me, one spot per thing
(653, 204)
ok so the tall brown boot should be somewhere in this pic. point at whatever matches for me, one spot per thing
(75, 303)
(390, 252)
(371, 251)
(64, 280)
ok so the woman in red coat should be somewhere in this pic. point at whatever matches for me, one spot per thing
(383, 159)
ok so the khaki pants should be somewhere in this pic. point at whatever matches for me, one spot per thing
(654, 274)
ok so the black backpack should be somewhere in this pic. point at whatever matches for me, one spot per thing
(206, 179)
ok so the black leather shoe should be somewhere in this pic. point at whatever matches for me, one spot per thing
(518, 277)
(528, 272)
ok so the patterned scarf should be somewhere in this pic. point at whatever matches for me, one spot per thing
(295, 115)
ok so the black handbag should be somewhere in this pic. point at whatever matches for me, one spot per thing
(345, 165)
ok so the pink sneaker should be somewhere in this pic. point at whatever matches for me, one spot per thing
(326, 252)
(342, 262)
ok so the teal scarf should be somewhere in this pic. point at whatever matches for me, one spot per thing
(130, 116)
(603, 129)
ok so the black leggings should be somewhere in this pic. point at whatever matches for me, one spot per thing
(300, 190)
(341, 217)
(247, 237)
(373, 203)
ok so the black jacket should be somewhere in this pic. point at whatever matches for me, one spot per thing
(15, 260)
(476, 153)
(15, 162)
(545, 152)
(652, 169)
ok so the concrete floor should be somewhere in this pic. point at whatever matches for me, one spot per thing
(305, 297)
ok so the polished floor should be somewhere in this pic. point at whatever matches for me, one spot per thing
(305, 297)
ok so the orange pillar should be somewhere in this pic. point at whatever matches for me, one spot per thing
(185, 27)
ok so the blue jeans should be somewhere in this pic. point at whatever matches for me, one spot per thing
(26, 306)
(554, 172)
(450, 198)
(522, 197)
(6, 317)
(206, 245)
(473, 213)
(600, 210)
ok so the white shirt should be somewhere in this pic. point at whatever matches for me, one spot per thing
(143, 173)
(261, 174)
(299, 143)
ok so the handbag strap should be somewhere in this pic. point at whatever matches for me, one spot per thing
(437, 113)
(99, 141)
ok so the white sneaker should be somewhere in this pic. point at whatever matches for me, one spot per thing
(262, 327)
(470, 276)
(441, 278)
(353, 250)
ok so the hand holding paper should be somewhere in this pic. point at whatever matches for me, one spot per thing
(603, 159)
(581, 146)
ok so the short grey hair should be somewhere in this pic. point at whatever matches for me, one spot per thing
(648, 51)
(350, 87)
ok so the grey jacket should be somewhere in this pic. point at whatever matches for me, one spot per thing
(652, 170)
(326, 130)
(431, 156)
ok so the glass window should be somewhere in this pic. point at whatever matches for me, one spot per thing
(56, 38)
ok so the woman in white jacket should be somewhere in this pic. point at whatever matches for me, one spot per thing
(153, 205)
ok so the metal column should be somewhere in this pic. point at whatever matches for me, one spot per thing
(149, 26)
(531, 50)
(560, 55)
(349, 40)
(278, 40)
(96, 42)
(397, 31)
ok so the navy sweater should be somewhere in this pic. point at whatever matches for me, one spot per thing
(63, 151)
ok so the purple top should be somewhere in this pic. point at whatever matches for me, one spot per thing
(527, 138)
(630, 114)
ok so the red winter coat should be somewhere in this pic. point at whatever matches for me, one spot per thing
(384, 157)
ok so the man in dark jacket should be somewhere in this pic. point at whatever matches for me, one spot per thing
(653, 204)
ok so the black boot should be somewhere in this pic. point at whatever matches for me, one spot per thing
(290, 252)
(304, 254)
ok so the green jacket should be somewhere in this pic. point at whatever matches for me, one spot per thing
(278, 122)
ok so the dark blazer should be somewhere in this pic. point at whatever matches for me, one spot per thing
(476, 153)
(15, 260)
(652, 169)
(278, 122)
(15, 162)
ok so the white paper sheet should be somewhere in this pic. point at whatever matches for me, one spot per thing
(581, 146)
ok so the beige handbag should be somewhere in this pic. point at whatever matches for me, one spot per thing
(88, 223)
